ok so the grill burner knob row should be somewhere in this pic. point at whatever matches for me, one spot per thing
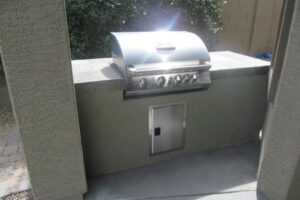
(161, 81)
(142, 83)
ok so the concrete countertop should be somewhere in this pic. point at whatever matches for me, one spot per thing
(98, 72)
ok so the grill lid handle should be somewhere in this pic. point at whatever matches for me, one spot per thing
(165, 47)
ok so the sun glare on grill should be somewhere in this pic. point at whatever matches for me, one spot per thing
(164, 58)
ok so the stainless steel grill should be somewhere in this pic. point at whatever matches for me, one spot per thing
(162, 61)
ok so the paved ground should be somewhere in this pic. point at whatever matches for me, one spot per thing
(227, 173)
(13, 170)
(23, 195)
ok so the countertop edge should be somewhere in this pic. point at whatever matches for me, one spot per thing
(114, 81)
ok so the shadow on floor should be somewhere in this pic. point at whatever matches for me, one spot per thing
(229, 172)
(7, 121)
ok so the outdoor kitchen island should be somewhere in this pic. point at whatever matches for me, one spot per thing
(115, 131)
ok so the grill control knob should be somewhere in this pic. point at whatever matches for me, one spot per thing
(161, 81)
(177, 79)
(171, 81)
(194, 77)
(186, 78)
(142, 83)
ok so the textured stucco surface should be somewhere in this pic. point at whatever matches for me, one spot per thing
(294, 192)
(77, 197)
(4, 96)
(115, 131)
(281, 142)
(36, 58)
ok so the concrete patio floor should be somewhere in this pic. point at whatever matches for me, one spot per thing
(228, 173)
(13, 170)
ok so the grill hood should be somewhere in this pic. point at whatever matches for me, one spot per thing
(142, 51)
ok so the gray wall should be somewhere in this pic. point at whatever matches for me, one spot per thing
(4, 96)
(294, 192)
(36, 57)
(279, 167)
(115, 131)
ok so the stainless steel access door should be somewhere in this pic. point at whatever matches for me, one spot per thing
(166, 127)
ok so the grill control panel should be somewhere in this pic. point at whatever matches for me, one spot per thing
(167, 82)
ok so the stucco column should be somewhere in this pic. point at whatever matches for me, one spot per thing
(36, 57)
(279, 171)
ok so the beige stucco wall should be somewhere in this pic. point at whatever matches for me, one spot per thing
(279, 170)
(249, 26)
(4, 100)
(115, 131)
(36, 56)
